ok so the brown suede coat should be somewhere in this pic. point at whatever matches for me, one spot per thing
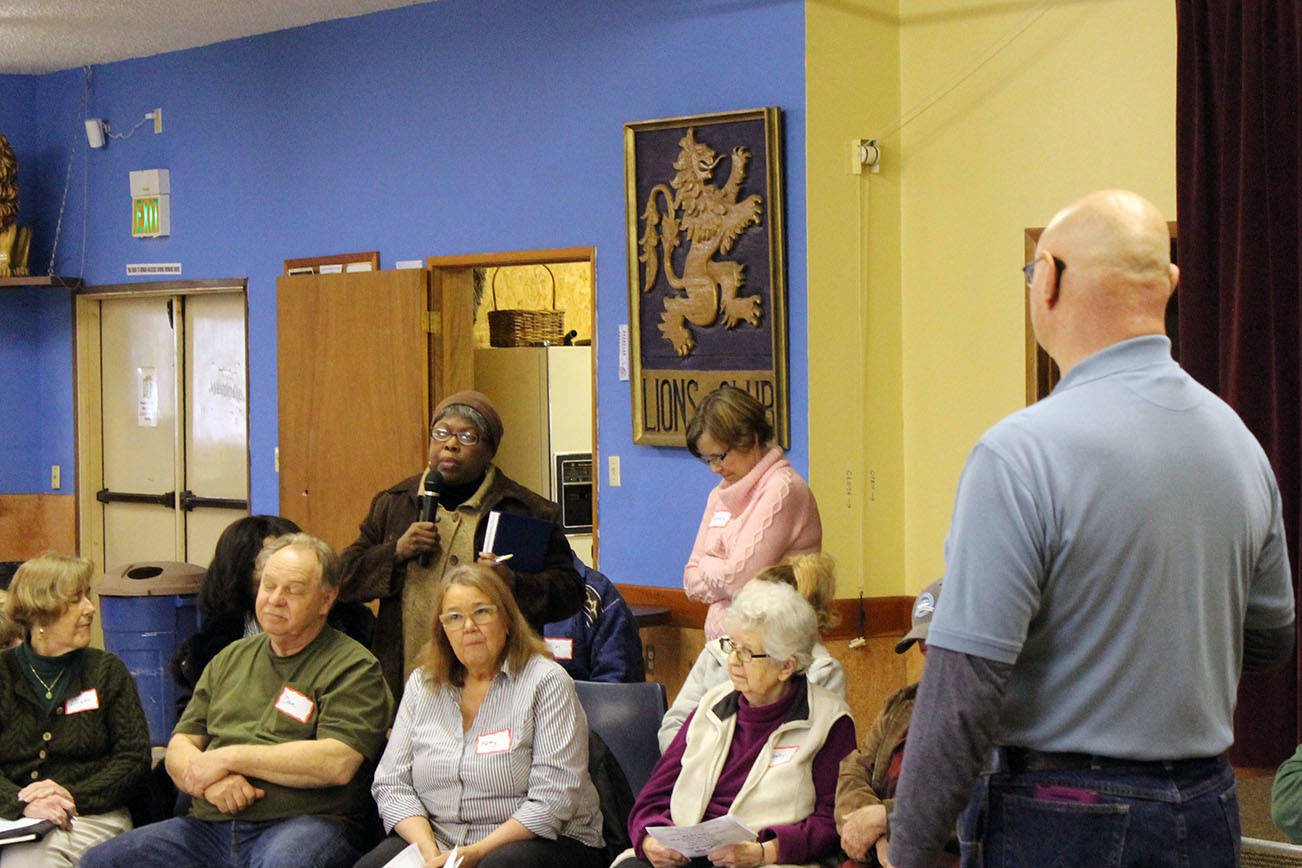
(370, 571)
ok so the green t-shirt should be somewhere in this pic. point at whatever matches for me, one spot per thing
(333, 688)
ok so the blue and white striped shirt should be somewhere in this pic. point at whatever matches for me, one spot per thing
(524, 756)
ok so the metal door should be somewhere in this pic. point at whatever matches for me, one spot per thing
(174, 423)
(216, 486)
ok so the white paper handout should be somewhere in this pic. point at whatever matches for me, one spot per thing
(410, 858)
(696, 841)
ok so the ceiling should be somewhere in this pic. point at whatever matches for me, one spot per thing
(38, 36)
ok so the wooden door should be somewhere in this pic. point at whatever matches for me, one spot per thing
(452, 339)
(354, 356)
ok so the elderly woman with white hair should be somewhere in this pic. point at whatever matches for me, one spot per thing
(764, 747)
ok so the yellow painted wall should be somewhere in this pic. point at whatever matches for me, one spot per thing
(1082, 97)
(855, 399)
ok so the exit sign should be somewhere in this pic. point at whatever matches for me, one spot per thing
(151, 216)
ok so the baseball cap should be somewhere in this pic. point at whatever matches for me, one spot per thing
(923, 608)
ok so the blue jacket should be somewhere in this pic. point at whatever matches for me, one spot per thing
(600, 642)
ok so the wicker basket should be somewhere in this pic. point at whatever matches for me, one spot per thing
(525, 328)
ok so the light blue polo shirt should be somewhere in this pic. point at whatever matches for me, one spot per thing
(1113, 541)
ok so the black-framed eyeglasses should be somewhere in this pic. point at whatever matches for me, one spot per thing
(481, 615)
(712, 460)
(468, 437)
(745, 655)
(1029, 269)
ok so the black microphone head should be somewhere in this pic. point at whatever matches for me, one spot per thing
(429, 496)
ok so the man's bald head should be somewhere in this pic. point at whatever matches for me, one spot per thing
(1116, 231)
(1117, 277)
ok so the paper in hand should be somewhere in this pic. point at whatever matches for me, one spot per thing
(410, 857)
(696, 841)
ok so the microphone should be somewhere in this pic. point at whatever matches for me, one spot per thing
(429, 503)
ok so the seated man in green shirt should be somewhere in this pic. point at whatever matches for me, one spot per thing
(279, 741)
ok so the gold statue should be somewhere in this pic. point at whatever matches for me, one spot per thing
(713, 220)
(15, 240)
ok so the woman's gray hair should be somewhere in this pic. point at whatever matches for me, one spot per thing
(783, 617)
(465, 411)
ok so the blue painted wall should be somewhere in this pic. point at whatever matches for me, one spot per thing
(454, 127)
(36, 427)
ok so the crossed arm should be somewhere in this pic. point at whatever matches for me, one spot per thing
(221, 775)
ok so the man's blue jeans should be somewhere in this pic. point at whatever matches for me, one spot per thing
(1150, 815)
(184, 841)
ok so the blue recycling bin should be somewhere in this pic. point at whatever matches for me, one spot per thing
(147, 610)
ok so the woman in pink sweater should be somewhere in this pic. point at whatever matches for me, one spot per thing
(758, 514)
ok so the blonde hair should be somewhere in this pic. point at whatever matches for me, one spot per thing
(44, 587)
(814, 576)
(437, 659)
(11, 632)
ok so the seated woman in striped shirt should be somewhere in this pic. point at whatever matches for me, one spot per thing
(489, 752)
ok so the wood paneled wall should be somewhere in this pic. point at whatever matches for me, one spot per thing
(33, 523)
(873, 671)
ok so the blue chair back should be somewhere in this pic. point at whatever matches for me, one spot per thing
(626, 716)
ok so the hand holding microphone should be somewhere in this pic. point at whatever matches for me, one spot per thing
(421, 537)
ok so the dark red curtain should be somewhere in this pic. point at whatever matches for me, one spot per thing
(1239, 169)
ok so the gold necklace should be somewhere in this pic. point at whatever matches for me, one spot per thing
(49, 688)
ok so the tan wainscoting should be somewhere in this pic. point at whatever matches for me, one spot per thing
(873, 671)
(33, 523)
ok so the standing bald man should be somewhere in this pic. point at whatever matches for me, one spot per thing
(1116, 557)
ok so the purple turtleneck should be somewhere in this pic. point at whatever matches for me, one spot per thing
(804, 841)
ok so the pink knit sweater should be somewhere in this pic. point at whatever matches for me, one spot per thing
(750, 524)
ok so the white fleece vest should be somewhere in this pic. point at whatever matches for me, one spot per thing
(780, 786)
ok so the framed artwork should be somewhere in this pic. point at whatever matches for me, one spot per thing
(706, 267)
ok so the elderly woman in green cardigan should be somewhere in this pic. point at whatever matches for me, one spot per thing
(74, 745)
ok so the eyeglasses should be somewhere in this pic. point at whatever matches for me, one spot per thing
(1029, 269)
(745, 655)
(468, 437)
(453, 621)
(712, 460)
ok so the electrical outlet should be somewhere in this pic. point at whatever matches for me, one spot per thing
(650, 659)
(613, 464)
(56, 476)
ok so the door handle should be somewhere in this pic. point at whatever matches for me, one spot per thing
(106, 496)
(190, 500)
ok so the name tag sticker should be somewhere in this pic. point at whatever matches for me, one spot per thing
(87, 700)
(493, 742)
(720, 518)
(295, 704)
(562, 649)
(782, 755)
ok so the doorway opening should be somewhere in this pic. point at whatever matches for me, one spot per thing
(545, 389)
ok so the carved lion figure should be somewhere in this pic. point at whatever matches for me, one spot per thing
(712, 219)
(14, 239)
(8, 183)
